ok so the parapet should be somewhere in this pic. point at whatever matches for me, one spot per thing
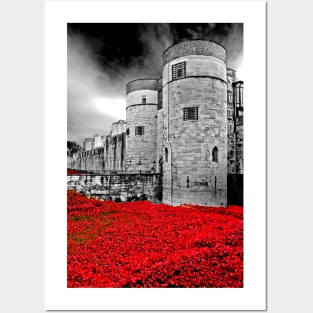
(142, 84)
(194, 47)
(118, 128)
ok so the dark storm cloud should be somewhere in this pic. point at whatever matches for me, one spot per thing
(99, 71)
(229, 35)
(86, 82)
(103, 58)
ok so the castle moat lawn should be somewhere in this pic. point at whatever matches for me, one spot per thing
(144, 245)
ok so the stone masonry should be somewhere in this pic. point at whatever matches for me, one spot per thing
(186, 126)
(192, 176)
(141, 112)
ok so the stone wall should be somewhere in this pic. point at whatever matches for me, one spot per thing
(206, 66)
(160, 139)
(239, 145)
(179, 149)
(141, 149)
(142, 84)
(88, 144)
(231, 151)
(239, 117)
(116, 153)
(195, 47)
(231, 138)
(231, 78)
(92, 164)
(190, 174)
(106, 159)
(70, 163)
(117, 187)
(160, 85)
(118, 128)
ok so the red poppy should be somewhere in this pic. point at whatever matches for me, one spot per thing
(145, 245)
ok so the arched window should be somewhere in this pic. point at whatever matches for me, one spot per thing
(215, 154)
(166, 155)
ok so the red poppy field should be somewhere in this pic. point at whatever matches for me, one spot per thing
(144, 245)
(74, 172)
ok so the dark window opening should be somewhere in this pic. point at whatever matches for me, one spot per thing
(215, 154)
(166, 155)
(179, 70)
(230, 97)
(127, 131)
(139, 130)
(191, 113)
(144, 99)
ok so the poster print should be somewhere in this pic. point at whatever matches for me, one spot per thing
(177, 145)
(155, 178)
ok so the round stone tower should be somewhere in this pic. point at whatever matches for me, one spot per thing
(195, 124)
(141, 126)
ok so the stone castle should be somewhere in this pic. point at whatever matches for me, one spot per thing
(186, 125)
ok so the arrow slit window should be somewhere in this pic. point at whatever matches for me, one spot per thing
(215, 154)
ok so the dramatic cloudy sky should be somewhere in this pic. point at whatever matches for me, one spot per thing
(103, 58)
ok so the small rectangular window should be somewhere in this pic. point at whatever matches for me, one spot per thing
(179, 70)
(139, 130)
(230, 97)
(191, 113)
(144, 99)
(127, 131)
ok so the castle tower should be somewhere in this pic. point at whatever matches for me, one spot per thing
(141, 128)
(195, 124)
